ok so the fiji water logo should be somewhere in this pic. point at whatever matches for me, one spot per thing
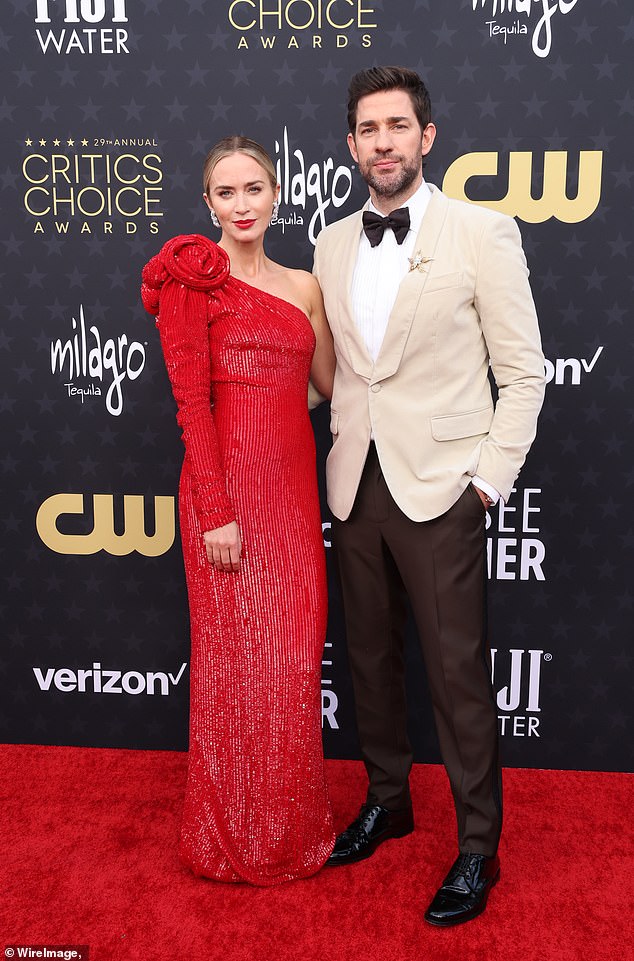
(517, 682)
(542, 31)
(308, 190)
(99, 364)
(81, 26)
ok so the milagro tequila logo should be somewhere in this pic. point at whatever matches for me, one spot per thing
(308, 190)
(542, 35)
(80, 26)
(99, 363)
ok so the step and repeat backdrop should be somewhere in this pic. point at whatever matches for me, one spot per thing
(106, 114)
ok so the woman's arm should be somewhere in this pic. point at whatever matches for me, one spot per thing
(184, 338)
(172, 289)
(183, 327)
(322, 371)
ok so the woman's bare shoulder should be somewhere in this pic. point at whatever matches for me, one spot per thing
(302, 280)
(297, 286)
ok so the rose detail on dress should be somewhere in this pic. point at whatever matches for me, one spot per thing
(190, 259)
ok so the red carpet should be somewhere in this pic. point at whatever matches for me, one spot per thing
(90, 858)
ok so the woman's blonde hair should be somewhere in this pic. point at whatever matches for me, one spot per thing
(236, 144)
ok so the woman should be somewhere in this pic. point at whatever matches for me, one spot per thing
(247, 333)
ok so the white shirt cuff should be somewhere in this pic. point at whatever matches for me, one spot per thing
(486, 489)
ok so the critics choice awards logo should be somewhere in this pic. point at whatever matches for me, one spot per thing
(81, 26)
(532, 18)
(83, 185)
(292, 24)
(103, 185)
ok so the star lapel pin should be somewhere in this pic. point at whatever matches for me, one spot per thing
(418, 262)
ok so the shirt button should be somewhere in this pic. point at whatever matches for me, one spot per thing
(375, 388)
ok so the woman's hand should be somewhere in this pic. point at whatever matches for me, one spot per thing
(223, 546)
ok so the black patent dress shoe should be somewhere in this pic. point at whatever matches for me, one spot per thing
(464, 892)
(374, 825)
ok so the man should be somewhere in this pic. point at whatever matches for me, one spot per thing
(421, 302)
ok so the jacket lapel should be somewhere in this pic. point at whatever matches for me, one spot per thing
(345, 256)
(411, 288)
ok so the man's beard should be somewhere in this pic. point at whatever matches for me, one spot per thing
(391, 185)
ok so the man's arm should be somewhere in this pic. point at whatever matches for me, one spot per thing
(507, 314)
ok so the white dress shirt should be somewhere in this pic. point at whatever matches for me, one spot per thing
(377, 276)
(379, 270)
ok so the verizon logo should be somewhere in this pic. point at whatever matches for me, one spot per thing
(96, 680)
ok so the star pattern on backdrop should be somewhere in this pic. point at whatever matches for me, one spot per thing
(184, 85)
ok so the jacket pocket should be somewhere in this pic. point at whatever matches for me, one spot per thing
(445, 280)
(334, 422)
(467, 424)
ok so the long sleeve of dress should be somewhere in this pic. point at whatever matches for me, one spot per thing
(177, 284)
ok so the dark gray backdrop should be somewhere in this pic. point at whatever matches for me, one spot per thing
(107, 112)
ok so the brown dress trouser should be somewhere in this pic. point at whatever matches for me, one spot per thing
(440, 565)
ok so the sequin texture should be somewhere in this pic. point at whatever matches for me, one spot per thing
(256, 806)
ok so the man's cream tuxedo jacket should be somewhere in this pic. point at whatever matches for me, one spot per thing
(427, 399)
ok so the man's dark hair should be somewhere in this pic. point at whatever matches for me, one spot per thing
(377, 79)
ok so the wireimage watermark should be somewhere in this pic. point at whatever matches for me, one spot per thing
(70, 952)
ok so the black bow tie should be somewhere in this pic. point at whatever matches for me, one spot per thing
(374, 225)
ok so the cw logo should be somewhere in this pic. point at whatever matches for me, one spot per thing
(519, 201)
(103, 537)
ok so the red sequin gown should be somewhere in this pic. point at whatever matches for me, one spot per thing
(256, 807)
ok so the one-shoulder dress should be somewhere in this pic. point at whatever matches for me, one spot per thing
(256, 805)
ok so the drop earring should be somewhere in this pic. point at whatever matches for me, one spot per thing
(214, 218)
(276, 209)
